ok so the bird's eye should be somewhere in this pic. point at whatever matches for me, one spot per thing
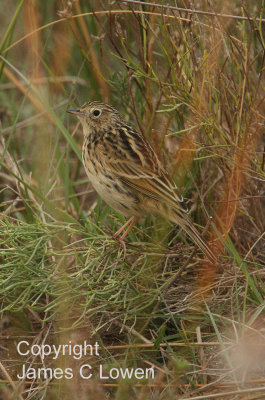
(96, 113)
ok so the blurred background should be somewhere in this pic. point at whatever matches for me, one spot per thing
(193, 84)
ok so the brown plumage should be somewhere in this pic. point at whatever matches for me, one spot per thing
(125, 171)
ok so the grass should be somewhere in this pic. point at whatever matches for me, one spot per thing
(194, 85)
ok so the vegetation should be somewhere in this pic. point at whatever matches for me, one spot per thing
(193, 83)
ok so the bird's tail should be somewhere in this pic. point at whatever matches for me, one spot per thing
(180, 217)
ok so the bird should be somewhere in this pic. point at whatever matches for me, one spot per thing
(125, 171)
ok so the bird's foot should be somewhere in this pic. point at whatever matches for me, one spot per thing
(120, 241)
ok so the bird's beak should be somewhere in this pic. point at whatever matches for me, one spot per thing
(75, 112)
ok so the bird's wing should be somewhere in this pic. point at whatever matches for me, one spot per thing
(136, 164)
(153, 184)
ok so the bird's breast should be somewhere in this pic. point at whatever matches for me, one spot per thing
(108, 185)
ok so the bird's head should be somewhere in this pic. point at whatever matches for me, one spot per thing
(96, 116)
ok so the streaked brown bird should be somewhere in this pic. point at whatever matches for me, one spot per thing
(125, 171)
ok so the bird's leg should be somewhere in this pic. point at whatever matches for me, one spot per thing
(133, 222)
(116, 234)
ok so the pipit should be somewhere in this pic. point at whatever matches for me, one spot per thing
(125, 171)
